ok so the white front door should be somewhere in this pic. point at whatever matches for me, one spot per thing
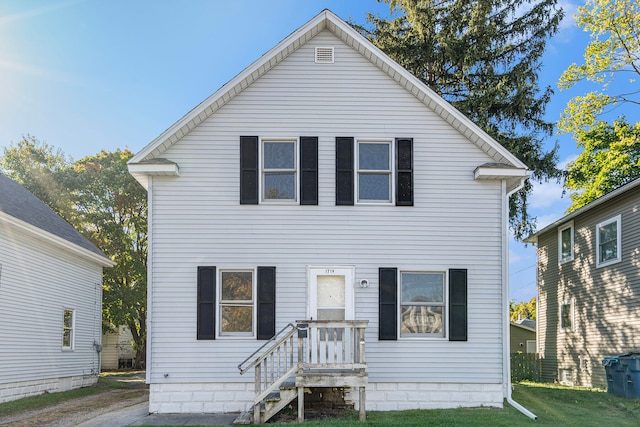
(331, 293)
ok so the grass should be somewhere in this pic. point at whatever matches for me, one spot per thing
(106, 381)
(553, 404)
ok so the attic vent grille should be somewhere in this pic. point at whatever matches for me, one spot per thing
(324, 55)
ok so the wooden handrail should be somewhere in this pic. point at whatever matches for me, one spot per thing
(322, 345)
(266, 353)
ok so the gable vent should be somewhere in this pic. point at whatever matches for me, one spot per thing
(324, 55)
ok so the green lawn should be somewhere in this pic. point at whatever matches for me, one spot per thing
(554, 405)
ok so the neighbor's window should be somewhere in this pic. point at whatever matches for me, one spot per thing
(236, 303)
(422, 310)
(608, 242)
(566, 315)
(565, 376)
(374, 179)
(68, 324)
(279, 170)
(565, 242)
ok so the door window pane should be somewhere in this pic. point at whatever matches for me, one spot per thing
(331, 291)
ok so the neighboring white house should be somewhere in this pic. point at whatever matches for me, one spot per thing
(50, 299)
(117, 349)
(326, 182)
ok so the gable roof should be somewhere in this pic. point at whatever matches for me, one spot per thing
(597, 202)
(21, 208)
(144, 162)
(527, 324)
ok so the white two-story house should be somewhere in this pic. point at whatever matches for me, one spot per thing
(325, 183)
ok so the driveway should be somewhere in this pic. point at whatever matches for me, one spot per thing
(128, 406)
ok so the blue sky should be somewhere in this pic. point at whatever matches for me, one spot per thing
(86, 75)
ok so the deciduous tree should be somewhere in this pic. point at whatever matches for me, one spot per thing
(610, 158)
(103, 202)
(612, 54)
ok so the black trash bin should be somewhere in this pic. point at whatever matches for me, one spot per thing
(630, 363)
(616, 379)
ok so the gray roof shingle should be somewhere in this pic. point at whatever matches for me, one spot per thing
(17, 201)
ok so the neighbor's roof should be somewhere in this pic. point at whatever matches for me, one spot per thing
(525, 324)
(597, 202)
(20, 207)
(329, 21)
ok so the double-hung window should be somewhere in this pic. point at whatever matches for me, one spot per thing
(68, 327)
(566, 315)
(279, 170)
(236, 301)
(608, 242)
(422, 312)
(374, 166)
(565, 243)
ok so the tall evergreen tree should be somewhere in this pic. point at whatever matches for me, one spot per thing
(483, 56)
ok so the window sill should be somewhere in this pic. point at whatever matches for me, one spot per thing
(608, 263)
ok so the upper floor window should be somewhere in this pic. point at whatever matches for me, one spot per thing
(279, 171)
(68, 326)
(374, 167)
(608, 242)
(565, 243)
(236, 302)
(374, 171)
(423, 304)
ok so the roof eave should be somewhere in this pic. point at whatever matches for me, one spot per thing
(327, 19)
(58, 241)
(620, 190)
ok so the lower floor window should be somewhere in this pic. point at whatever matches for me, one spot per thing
(236, 302)
(68, 329)
(566, 316)
(423, 304)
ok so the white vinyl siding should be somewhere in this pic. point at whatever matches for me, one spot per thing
(38, 281)
(197, 220)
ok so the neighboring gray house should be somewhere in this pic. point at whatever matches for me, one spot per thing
(589, 287)
(523, 336)
(326, 187)
(50, 299)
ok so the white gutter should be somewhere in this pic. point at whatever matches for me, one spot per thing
(506, 333)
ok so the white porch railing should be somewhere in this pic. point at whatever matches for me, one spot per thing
(327, 353)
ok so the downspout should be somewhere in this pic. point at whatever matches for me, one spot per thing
(149, 319)
(506, 334)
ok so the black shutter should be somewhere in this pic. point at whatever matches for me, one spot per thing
(388, 304)
(344, 171)
(308, 170)
(458, 305)
(248, 170)
(266, 302)
(404, 172)
(206, 303)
